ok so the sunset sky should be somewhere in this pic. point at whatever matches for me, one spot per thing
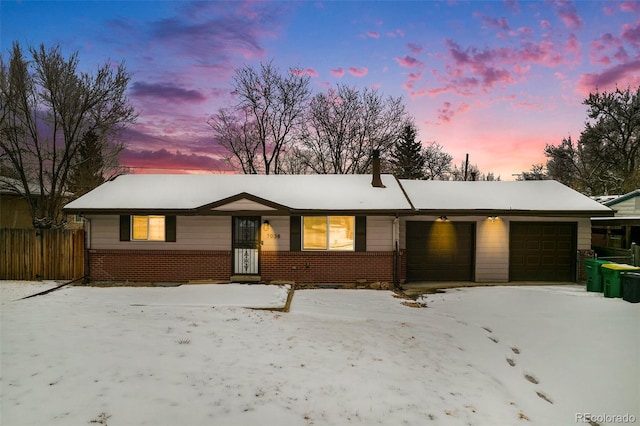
(496, 79)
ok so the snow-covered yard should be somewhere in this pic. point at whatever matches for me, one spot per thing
(192, 355)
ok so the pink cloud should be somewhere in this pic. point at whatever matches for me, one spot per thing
(307, 71)
(620, 75)
(526, 31)
(415, 48)
(373, 34)
(409, 62)
(415, 76)
(162, 159)
(513, 6)
(630, 6)
(631, 34)
(498, 23)
(471, 70)
(545, 24)
(621, 55)
(165, 91)
(337, 72)
(448, 111)
(600, 49)
(354, 71)
(568, 14)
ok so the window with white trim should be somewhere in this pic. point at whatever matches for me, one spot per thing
(328, 233)
(147, 228)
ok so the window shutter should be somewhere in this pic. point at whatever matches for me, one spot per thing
(361, 233)
(125, 228)
(295, 237)
(170, 229)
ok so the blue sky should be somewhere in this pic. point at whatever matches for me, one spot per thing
(496, 79)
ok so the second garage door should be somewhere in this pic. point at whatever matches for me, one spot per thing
(440, 251)
(542, 251)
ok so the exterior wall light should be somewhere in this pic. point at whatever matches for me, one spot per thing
(493, 218)
(443, 218)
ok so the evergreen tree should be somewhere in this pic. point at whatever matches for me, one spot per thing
(88, 172)
(407, 159)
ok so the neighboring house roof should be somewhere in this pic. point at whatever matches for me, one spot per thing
(524, 197)
(604, 198)
(621, 198)
(14, 186)
(263, 192)
(625, 208)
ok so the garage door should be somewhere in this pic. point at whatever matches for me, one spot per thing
(440, 251)
(542, 251)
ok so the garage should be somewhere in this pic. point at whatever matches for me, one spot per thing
(542, 251)
(440, 251)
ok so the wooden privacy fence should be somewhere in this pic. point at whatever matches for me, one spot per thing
(630, 256)
(37, 254)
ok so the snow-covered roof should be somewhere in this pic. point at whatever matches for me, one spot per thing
(330, 193)
(620, 198)
(295, 192)
(525, 196)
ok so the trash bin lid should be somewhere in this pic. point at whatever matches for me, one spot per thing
(593, 261)
(621, 267)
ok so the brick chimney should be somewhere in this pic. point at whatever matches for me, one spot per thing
(376, 182)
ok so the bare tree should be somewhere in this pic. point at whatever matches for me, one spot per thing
(437, 162)
(345, 125)
(471, 172)
(537, 172)
(606, 158)
(47, 107)
(267, 118)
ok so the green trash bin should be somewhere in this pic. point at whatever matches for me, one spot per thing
(631, 287)
(611, 279)
(594, 275)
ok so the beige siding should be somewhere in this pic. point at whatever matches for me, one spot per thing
(379, 233)
(492, 241)
(192, 233)
(492, 250)
(275, 235)
(244, 204)
(630, 207)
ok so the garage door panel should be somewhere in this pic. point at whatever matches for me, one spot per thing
(542, 251)
(440, 251)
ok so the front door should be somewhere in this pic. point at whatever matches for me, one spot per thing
(246, 245)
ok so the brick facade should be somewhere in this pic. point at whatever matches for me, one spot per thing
(323, 267)
(159, 265)
(329, 267)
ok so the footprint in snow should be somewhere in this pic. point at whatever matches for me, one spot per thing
(515, 350)
(511, 362)
(545, 397)
(531, 378)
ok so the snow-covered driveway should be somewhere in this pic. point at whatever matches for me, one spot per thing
(192, 356)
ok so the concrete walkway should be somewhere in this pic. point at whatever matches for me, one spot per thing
(418, 288)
